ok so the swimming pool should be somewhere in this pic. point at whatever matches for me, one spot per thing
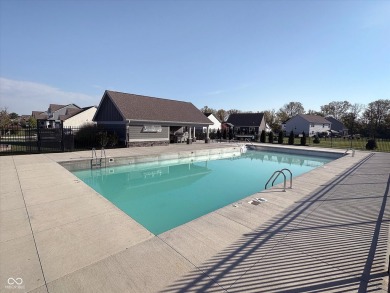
(173, 193)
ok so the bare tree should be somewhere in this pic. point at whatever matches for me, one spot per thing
(5, 120)
(314, 112)
(291, 109)
(336, 109)
(233, 111)
(221, 115)
(206, 109)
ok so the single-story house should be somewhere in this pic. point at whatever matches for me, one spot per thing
(145, 121)
(246, 125)
(337, 126)
(310, 124)
(78, 117)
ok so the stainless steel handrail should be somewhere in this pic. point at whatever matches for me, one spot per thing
(98, 161)
(277, 173)
(284, 169)
(352, 149)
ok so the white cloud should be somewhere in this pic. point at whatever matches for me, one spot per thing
(23, 97)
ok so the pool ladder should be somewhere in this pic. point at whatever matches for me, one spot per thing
(353, 151)
(95, 161)
(275, 176)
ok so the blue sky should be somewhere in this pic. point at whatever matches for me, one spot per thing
(246, 55)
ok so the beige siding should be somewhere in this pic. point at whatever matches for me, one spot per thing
(80, 119)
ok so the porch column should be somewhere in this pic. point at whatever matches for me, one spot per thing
(207, 140)
(194, 135)
(189, 140)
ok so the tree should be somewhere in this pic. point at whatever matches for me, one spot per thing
(221, 115)
(13, 116)
(206, 109)
(280, 137)
(5, 121)
(303, 138)
(292, 109)
(232, 111)
(336, 109)
(350, 119)
(291, 138)
(376, 114)
(272, 120)
(282, 116)
(32, 122)
(262, 136)
(271, 137)
(314, 112)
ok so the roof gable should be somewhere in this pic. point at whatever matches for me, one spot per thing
(144, 108)
(212, 116)
(246, 119)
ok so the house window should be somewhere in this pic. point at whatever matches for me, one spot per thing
(311, 125)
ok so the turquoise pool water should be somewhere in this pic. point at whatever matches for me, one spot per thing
(164, 196)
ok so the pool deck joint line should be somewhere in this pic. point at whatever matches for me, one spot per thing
(329, 233)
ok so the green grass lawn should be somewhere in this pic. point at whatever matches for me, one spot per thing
(341, 143)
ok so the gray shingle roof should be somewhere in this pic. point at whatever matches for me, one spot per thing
(55, 107)
(144, 108)
(314, 119)
(246, 119)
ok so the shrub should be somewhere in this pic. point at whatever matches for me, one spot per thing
(271, 137)
(224, 134)
(86, 136)
(291, 138)
(231, 133)
(316, 139)
(371, 144)
(280, 138)
(303, 138)
(262, 136)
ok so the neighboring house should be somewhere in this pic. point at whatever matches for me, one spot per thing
(216, 123)
(142, 120)
(51, 117)
(310, 124)
(247, 124)
(337, 126)
(78, 117)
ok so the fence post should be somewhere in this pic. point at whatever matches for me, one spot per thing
(62, 138)
(38, 139)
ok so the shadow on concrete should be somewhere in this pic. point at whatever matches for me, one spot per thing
(333, 240)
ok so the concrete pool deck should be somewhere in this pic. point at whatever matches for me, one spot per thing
(329, 233)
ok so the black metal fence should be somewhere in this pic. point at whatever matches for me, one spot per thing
(64, 139)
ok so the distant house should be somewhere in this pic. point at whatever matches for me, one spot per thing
(142, 120)
(310, 124)
(247, 124)
(216, 123)
(78, 117)
(337, 126)
(50, 118)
